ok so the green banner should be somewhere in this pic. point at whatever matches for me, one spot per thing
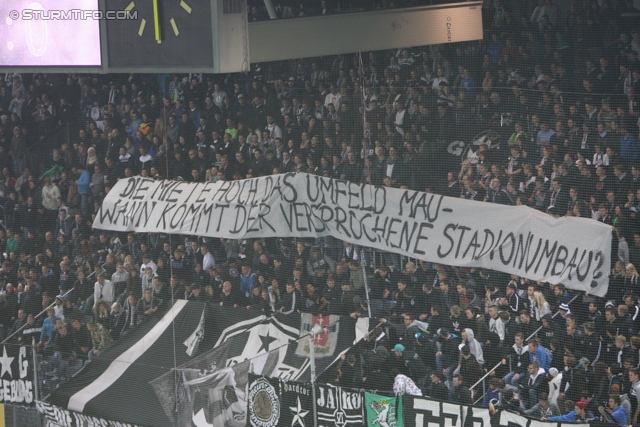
(383, 411)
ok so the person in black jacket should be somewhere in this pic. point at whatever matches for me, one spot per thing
(260, 300)
(130, 314)
(447, 352)
(460, 393)
(162, 292)
(230, 296)
(408, 363)
(63, 355)
(31, 298)
(469, 367)
(118, 320)
(549, 330)
(527, 325)
(533, 385)
(519, 354)
(292, 301)
(577, 377)
(82, 342)
(147, 306)
(17, 324)
(558, 199)
(439, 391)
(590, 343)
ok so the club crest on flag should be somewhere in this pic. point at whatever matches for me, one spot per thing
(264, 404)
(325, 342)
(382, 411)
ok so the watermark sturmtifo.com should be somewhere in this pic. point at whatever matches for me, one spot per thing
(72, 15)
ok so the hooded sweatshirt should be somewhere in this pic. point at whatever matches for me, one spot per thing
(474, 346)
(554, 388)
(540, 413)
(533, 379)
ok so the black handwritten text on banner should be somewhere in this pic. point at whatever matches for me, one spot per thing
(512, 239)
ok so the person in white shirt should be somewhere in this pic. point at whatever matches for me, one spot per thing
(146, 262)
(103, 290)
(333, 97)
(273, 128)
(554, 385)
(208, 262)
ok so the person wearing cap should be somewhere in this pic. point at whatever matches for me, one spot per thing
(408, 363)
(576, 379)
(509, 402)
(447, 352)
(549, 330)
(59, 308)
(579, 413)
(564, 310)
(147, 262)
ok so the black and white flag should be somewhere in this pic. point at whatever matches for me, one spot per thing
(16, 375)
(296, 408)
(338, 407)
(263, 401)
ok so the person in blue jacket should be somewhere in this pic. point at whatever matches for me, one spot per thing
(84, 190)
(615, 412)
(628, 146)
(538, 354)
(579, 413)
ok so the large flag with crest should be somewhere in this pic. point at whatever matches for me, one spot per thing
(204, 381)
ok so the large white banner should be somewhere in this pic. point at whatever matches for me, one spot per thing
(513, 239)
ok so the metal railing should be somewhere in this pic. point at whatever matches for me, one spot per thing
(553, 317)
(36, 316)
(483, 379)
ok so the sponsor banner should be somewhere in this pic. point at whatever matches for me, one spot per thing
(512, 239)
(16, 375)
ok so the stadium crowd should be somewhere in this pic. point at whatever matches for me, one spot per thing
(555, 98)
